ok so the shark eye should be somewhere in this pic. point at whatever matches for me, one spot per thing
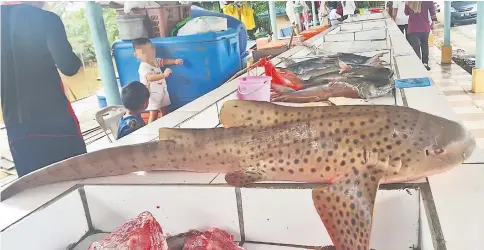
(439, 151)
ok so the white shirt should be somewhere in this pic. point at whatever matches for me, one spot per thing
(333, 17)
(401, 18)
(158, 90)
(348, 8)
(290, 12)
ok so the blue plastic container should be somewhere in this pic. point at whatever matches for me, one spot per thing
(232, 22)
(286, 32)
(101, 99)
(209, 60)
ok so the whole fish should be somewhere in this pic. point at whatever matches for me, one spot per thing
(281, 89)
(302, 67)
(359, 74)
(353, 59)
(351, 148)
(320, 93)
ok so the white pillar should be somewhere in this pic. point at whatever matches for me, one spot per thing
(272, 16)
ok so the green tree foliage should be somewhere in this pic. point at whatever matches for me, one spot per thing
(78, 31)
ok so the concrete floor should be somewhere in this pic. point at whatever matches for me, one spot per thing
(461, 36)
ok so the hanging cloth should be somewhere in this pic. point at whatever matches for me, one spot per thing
(232, 11)
(247, 16)
(291, 12)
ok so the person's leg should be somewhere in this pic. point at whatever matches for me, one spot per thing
(424, 39)
(251, 35)
(406, 32)
(415, 42)
(401, 27)
(153, 116)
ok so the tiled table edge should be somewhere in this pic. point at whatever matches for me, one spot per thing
(447, 112)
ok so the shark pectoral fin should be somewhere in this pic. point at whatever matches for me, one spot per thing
(244, 177)
(346, 206)
(237, 113)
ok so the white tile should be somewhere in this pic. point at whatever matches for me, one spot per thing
(52, 228)
(480, 143)
(474, 124)
(369, 35)
(27, 201)
(478, 155)
(396, 216)
(178, 209)
(288, 216)
(376, 24)
(340, 37)
(458, 199)
(363, 46)
(208, 118)
(450, 88)
(425, 232)
(284, 216)
(84, 244)
(452, 98)
(253, 246)
(468, 110)
(351, 27)
(479, 102)
(155, 177)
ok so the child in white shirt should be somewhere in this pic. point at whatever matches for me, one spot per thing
(150, 74)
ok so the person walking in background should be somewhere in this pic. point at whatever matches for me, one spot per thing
(400, 18)
(419, 27)
(41, 127)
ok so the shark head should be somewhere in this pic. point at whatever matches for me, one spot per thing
(439, 145)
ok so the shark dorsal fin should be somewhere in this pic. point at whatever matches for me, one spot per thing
(236, 113)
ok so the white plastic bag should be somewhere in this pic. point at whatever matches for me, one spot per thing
(203, 24)
(129, 5)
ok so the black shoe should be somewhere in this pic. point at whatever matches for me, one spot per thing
(427, 66)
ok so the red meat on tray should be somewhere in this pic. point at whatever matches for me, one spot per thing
(213, 239)
(140, 233)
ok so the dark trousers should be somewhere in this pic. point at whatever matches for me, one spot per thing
(404, 30)
(35, 145)
(251, 35)
(420, 44)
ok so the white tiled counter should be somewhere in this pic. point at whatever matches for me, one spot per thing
(280, 214)
(454, 199)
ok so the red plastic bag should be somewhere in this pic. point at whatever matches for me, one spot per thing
(140, 233)
(213, 239)
(285, 78)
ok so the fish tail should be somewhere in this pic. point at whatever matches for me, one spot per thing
(106, 162)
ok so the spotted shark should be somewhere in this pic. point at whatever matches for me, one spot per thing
(350, 150)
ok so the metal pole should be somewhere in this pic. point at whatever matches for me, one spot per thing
(103, 52)
(447, 23)
(272, 15)
(480, 36)
(313, 7)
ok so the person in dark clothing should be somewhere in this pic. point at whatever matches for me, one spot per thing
(419, 26)
(41, 126)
